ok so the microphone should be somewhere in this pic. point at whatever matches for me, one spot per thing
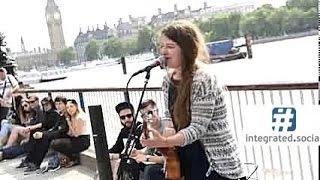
(160, 61)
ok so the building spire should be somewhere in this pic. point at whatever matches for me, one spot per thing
(80, 32)
(23, 48)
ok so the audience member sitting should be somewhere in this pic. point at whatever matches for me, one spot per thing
(21, 119)
(39, 142)
(78, 138)
(35, 115)
(125, 112)
(59, 130)
(151, 158)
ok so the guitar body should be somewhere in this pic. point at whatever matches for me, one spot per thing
(172, 161)
(172, 164)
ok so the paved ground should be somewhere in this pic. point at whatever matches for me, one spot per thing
(9, 172)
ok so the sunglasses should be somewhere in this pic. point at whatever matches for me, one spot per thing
(32, 101)
(147, 114)
(123, 117)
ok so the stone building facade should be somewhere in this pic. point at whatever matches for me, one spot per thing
(161, 18)
(83, 39)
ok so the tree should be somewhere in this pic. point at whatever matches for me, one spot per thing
(112, 48)
(234, 24)
(92, 50)
(311, 17)
(144, 41)
(66, 55)
(221, 26)
(129, 47)
(305, 5)
(295, 21)
(248, 25)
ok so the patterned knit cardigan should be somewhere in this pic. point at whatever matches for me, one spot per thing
(209, 124)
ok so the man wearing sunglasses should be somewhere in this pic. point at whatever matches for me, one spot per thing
(150, 157)
(125, 111)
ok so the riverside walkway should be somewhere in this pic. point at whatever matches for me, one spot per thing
(8, 171)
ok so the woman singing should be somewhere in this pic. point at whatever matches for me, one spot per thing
(206, 146)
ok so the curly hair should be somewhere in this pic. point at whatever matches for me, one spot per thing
(193, 50)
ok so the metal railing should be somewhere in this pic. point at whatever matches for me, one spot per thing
(275, 162)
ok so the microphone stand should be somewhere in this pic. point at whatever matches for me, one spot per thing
(133, 138)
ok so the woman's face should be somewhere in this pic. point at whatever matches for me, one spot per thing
(25, 106)
(171, 51)
(71, 109)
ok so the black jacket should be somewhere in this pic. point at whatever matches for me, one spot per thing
(59, 129)
(124, 133)
(37, 116)
(51, 117)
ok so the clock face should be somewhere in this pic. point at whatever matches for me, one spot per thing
(56, 15)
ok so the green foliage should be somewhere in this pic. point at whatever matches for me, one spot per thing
(144, 41)
(112, 48)
(66, 55)
(266, 21)
(115, 47)
(221, 26)
(305, 5)
(92, 50)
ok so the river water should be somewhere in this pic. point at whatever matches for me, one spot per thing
(292, 60)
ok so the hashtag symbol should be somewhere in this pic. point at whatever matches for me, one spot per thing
(283, 118)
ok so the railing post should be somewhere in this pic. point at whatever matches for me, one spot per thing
(100, 143)
(81, 101)
(124, 67)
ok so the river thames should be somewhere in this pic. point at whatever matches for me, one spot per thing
(292, 60)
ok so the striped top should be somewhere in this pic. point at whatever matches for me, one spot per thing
(209, 124)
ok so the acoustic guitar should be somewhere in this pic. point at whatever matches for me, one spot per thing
(172, 162)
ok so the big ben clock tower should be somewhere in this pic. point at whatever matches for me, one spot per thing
(54, 23)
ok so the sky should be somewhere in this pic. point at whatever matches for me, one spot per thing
(26, 18)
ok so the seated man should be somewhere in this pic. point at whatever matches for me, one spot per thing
(78, 135)
(40, 141)
(36, 116)
(151, 157)
(13, 149)
(125, 111)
